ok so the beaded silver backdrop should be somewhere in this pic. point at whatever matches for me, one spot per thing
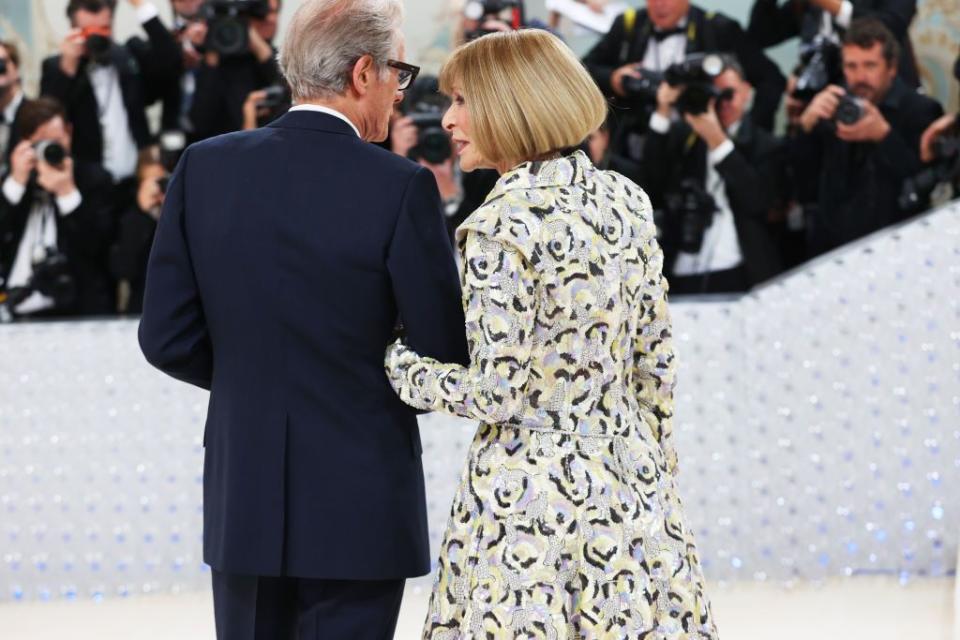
(818, 426)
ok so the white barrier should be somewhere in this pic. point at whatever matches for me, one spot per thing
(818, 426)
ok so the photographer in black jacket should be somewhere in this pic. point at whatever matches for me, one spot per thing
(714, 176)
(55, 221)
(106, 87)
(775, 21)
(226, 78)
(664, 33)
(860, 143)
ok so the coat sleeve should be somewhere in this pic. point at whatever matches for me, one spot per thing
(762, 72)
(654, 361)
(771, 24)
(500, 300)
(423, 274)
(173, 330)
(604, 58)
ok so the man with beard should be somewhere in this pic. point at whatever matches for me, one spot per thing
(861, 142)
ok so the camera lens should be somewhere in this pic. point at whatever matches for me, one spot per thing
(98, 46)
(52, 152)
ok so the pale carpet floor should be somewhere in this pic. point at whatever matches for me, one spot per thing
(867, 608)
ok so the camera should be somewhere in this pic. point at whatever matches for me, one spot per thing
(51, 278)
(52, 152)
(849, 109)
(276, 102)
(171, 143)
(228, 24)
(481, 10)
(425, 106)
(944, 168)
(819, 67)
(98, 41)
(644, 88)
(690, 210)
(696, 74)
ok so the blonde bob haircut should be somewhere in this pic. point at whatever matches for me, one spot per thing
(527, 95)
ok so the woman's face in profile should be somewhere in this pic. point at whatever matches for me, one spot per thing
(456, 121)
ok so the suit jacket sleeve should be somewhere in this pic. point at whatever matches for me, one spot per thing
(55, 83)
(768, 83)
(424, 275)
(655, 365)
(771, 24)
(499, 295)
(160, 60)
(895, 14)
(90, 226)
(899, 152)
(173, 330)
(604, 58)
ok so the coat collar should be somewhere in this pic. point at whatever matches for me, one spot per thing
(559, 172)
(313, 121)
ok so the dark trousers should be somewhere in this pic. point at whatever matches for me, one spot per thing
(268, 608)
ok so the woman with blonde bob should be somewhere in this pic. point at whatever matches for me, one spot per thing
(567, 522)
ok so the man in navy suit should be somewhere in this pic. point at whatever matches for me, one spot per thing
(282, 261)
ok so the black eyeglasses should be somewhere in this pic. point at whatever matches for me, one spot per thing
(407, 73)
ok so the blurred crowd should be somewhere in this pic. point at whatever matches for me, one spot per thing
(751, 170)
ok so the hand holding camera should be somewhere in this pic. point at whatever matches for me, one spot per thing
(822, 107)
(403, 136)
(56, 179)
(870, 127)
(617, 78)
(73, 47)
(23, 161)
(928, 146)
(707, 126)
(667, 96)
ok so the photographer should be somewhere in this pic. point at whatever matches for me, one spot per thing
(233, 65)
(649, 41)
(714, 187)
(106, 87)
(137, 226)
(416, 132)
(860, 143)
(11, 98)
(775, 21)
(55, 221)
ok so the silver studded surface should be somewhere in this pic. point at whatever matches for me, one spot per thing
(818, 427)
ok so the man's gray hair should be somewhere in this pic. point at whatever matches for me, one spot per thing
(327, 37)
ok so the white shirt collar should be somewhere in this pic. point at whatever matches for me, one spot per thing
(11, 111)
(327, 110)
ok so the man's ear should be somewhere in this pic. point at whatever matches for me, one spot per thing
(362, 75)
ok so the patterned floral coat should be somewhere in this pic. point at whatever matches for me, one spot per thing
(567, 522)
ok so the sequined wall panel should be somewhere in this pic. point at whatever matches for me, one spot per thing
(818, 426)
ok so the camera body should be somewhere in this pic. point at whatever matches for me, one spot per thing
(98, 41)
(820, 66)
(425, 106)
(51, 151)
(695, 74)
(481, 10)
(945, 167)
(849, 109)
(690, 210)
(228, 22)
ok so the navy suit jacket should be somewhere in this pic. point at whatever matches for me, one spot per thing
(281, 263)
